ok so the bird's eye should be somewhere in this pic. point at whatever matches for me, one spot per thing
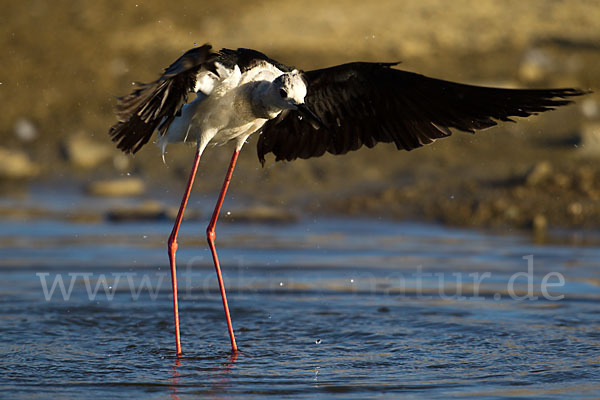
(283, 93)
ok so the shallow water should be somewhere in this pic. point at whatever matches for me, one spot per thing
(322, 308)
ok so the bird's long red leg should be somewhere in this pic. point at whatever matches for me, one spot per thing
(210, 235)
(173, 247)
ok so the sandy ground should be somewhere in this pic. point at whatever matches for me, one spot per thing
(65, 62)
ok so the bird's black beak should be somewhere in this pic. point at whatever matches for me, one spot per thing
(310, 116)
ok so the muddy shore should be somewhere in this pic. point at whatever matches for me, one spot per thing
(538, 174)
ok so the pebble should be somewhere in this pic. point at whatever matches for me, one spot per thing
(83, 152)
(15, 164)
(25, 130)
(540, 223)
(146, 211)
(540, 172)
(590, 138)
(121, 187)
(261, 214)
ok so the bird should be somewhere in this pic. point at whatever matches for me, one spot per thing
(302, 114)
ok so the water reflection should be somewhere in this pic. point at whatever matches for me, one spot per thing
(223, 373)
(218, 377)
(174, 379)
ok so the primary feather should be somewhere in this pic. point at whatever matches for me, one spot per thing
(362, 104)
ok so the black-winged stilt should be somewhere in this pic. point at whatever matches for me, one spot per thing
(303, 114)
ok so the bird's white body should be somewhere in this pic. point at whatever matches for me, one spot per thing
(231, 105)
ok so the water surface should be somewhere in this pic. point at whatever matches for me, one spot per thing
(321, 308)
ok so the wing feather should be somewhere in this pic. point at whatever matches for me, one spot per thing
(362, 104)
(155, 105)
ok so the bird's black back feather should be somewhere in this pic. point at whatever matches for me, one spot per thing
(362, 104)
(247, 59)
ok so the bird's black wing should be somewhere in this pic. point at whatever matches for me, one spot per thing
(366, 103)
(155, 105)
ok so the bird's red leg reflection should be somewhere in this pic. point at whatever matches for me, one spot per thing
(175, 379)
(222, 373)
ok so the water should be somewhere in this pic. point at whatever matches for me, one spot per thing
(322, 308)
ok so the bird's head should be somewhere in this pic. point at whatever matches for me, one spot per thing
(288, 92)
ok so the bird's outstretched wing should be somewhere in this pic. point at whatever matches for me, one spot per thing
(366, 103)
(155, 105)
